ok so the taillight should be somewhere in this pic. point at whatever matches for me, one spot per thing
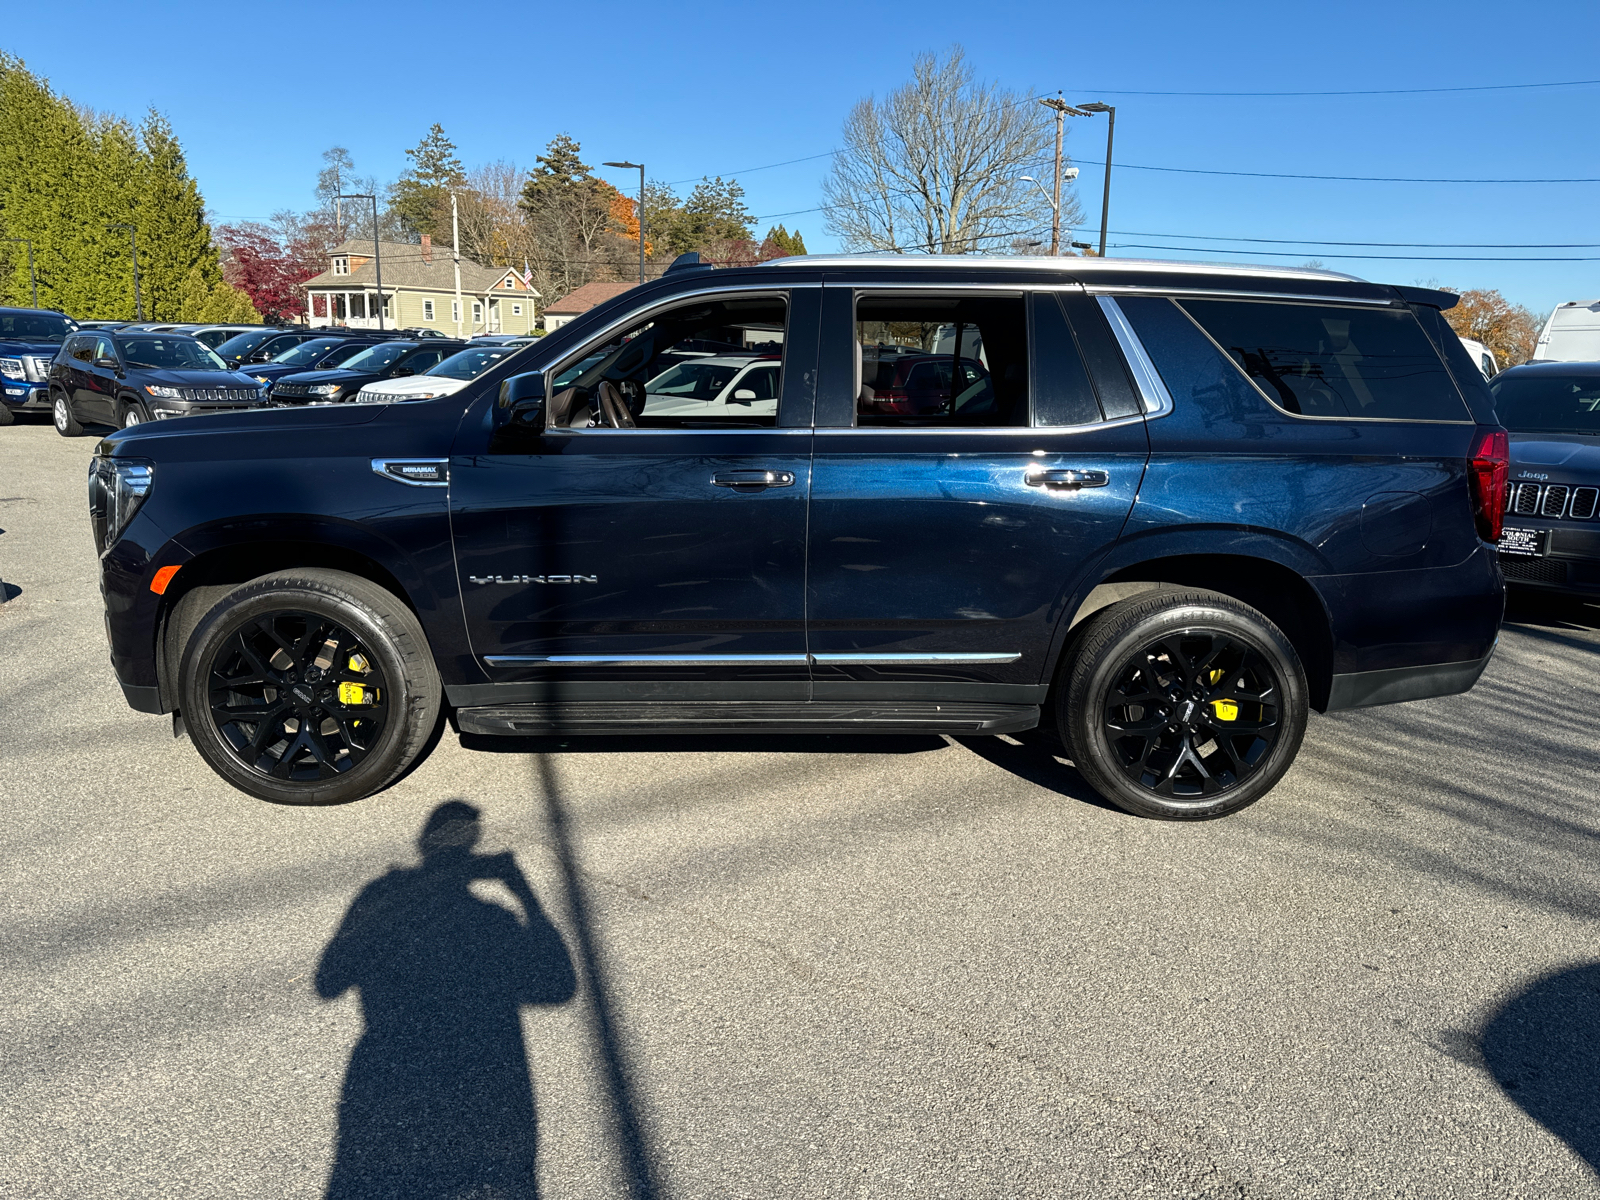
(1488, 468)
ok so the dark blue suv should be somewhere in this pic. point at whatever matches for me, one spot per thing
(1162, 510)
(30, 339)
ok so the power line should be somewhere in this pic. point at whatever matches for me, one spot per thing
(1488, 87)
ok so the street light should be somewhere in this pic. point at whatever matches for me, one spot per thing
(133, 240)
(377, 254)
(1111, 128)
(1069, 174)
(639, 167)
(1062, 110)
(32, 282)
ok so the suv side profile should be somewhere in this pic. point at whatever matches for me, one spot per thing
(1194, 503)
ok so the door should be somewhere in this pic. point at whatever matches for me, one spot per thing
(643, 553)
(967, 477)
(96, 400)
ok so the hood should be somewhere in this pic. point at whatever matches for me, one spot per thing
(192, 379)
(13, 346)
(328, 375)
(1555, 458)
(271, 372)
(416, 385)
(149, 437)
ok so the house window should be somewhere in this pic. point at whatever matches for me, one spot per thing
(427, 310)
(509, 283)
(477, 313)
(516, 310)
(341, 266)
(386, 311)
(455, 311)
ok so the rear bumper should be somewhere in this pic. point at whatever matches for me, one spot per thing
(1364, 689)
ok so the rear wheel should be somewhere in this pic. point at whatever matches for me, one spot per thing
(309, 687)
(1183, 705)
(61, 412)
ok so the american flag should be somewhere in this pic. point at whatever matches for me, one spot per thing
(527, 274)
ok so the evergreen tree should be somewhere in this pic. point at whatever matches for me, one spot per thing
(780, 243)
(173, 234)
(422, 195)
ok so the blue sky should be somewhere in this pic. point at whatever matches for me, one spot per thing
(257, 94)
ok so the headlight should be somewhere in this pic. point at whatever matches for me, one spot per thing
(11, 368)
(262, 379)
(325, 389)
(117, 487)
(166, 393)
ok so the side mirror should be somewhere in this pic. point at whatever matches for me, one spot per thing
(106, 364)
(744, 396)
(521, 403)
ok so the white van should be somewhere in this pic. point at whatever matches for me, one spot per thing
(1483, 357)
(1572, 334)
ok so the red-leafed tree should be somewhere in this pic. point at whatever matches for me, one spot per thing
(271, 263)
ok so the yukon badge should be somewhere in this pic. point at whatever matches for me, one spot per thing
(534, 578)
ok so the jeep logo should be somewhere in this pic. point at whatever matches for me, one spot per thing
(534, 578)
(1541, 477)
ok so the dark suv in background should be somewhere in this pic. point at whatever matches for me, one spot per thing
(128, 379)
(383, 360)
(30, 338)
(1179, 507)
(314, 355)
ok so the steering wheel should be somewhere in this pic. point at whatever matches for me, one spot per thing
(613, 408)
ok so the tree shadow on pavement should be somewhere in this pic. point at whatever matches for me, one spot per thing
(438, 1100)
(1543, 1048)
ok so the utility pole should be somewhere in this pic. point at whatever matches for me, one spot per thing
(33, 283)
(455, 249)
(377, 253)
(133, 240)
(631, 166)
(1105, 202)
(1062, 108)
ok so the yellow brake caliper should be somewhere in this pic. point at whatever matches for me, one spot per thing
(352, 693)
(1226, 710)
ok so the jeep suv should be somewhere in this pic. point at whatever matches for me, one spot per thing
(1179, 506)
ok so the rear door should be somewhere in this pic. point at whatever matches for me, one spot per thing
(662, 557)
(946, 537)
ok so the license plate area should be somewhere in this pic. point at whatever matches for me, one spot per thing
(1527, 543)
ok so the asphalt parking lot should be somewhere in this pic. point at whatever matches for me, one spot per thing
(787, 966)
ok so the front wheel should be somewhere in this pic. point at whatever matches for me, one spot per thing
(1182, 705)
(133, 413)
(61, 412)
(309, 687)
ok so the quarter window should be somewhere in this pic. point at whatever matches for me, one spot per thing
(941, 361)
(1320, 360)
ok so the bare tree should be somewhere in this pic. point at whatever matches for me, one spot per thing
(934, 168)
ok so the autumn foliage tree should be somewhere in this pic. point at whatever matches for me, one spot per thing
(1484, 315)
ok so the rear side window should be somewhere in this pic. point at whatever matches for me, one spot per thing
(1062, 393)
(941, 360)
(1319, 360)
(82, 349)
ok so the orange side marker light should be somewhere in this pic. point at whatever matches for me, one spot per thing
(158, 585)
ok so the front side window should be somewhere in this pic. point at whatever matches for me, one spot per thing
(104, 349)
(1323, 360)
(706, 364)
(937, 361)
(178, 354)
(1540, 403)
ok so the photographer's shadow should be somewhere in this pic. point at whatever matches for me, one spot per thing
(438, 1100)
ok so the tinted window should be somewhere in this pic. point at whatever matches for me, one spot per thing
(35, 327)
(82, 348)
(171, 352)
(1539, 403)
(306, 353)
(104, 349)
(1327, 361)
(242, 345)
(1062, 394)
(662, 380)
(469, 364)
(377, 358)
(938, 360)
(213, 337)
(422, 360)
(1196, 373)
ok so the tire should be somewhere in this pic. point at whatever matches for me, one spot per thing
(61, 414)
(266, 638)
(7, 417)
(1212, 667)
(133, 413)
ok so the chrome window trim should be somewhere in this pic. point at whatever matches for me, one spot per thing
(1066, 266)
(1276, 407)
(1134, 289)
(591, 430)
(740, 660)
(981, 430)
(1152, 390)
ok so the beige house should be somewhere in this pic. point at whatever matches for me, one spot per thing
(574, 304)
(419, 291)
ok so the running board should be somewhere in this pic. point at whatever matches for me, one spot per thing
(744, 716)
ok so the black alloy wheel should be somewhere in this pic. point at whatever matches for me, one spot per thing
(306, 687)
(297, 696)
(1181, 705)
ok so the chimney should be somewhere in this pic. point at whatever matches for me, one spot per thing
(427, 249)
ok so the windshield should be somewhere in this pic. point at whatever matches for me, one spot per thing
(469, 364)
(306, 353)
(1539, 403)
(376, 358)
(174, 353)
(238, 347)
(694, 380)
(35, 327)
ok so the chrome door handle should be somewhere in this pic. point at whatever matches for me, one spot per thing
(1066, 478)
(753, 479)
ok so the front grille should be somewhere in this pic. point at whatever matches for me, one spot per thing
(1534, 570)
(291, 389)
(1555, 500)
(36, 367)
(221, 395)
